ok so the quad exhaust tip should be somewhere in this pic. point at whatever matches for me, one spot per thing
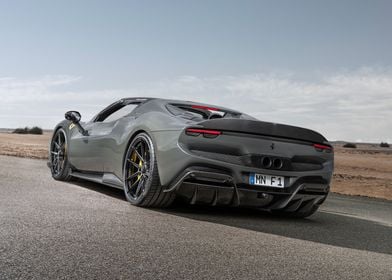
(278, 163)
(268, 162)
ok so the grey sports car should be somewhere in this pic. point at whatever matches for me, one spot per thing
(157, 150)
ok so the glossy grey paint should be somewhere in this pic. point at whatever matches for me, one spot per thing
(103, 149)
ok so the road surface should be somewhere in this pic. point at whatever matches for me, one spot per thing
(51, 229)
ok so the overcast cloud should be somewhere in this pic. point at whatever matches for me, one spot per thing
(352, 106)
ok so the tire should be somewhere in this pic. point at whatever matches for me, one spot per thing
(59, 164)
(303, 212)
(142, 186)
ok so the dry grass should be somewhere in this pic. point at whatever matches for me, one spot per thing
(25, 145)
(365, 171)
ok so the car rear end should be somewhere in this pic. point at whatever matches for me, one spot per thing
(243, 162)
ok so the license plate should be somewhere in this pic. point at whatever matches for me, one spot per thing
(266, 180)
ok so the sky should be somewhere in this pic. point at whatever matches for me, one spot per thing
(324, 65)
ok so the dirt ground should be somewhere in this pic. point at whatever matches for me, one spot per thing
(25, 145)
(365, 171)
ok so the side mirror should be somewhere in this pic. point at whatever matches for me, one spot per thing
(75, 117)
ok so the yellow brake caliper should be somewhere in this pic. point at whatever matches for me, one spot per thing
(133, 158)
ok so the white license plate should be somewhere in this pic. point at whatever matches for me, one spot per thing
(266, 180)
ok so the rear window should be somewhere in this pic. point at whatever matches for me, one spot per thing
(200, 112)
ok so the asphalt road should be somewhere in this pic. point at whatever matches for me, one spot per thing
(51, 229)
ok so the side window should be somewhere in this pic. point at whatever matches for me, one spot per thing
(122, 112)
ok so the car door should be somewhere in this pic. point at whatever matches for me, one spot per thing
(86, 150)
(89, 152)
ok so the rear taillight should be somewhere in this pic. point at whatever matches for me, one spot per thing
(322, 148)
(208, 133)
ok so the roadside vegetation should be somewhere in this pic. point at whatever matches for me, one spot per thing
(34, 130)
(350, 145)
(384, 145)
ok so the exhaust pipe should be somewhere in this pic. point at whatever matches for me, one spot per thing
(266, 162)
(278, 163)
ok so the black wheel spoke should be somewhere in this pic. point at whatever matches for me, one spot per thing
(138, 154)
(133, 184)
(142, 150)
(58, 166)
(134, 164)
(59, 142)
(55, 163)
(61, 165)
(139, 186)
(134, 175)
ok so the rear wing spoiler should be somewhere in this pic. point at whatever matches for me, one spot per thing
(264, 128)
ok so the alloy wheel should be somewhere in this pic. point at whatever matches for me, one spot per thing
(138, 167)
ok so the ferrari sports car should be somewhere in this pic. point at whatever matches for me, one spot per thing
(157, 150)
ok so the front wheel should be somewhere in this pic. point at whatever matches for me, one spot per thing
(141, 178)
(59, 165)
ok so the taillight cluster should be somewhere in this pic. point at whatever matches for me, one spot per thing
(323, 148)
(208, 133)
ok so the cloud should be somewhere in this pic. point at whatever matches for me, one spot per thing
(24, 90)
(348, 105)
(43, 101)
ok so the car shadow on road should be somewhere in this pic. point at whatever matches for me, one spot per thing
(323, 227)
(112, 192)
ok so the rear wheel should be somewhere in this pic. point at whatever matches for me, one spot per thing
(59, 165)
(141, 178)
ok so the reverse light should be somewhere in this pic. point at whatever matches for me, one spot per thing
(205, 132)
(322, 148)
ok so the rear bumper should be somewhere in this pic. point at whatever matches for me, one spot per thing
(212, 187)
(215, 170)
